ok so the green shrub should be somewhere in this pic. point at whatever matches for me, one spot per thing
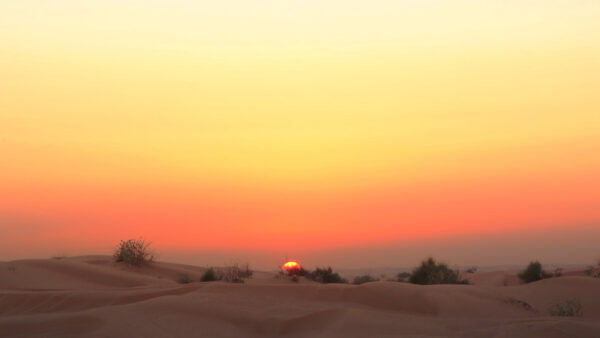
(431, 272)
(209, 276)
(184, 278)
(569, 308)
(325, 276)
(363, 279)
(134, 252)
(533, 272)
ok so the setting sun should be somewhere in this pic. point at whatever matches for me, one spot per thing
(290, 267)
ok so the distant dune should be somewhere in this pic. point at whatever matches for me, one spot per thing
(92, 296)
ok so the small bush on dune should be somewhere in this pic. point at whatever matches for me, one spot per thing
(403, 276)
(472, 269)
(235, 273)
(134, 252)
(184, 279)
(325, 276)
(295, 272)
(292, 274)
(364, 279)
(533, 272)
(231, 274)
(570, 308)
(593, 271)
(558, 272)
(431, 272)
(209, 276)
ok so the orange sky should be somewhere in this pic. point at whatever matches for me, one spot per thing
(295, 126)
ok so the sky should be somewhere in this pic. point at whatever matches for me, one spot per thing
(316, 130)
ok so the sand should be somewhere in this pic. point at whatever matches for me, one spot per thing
(92, 296)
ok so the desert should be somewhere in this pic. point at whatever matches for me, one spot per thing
(94, 296)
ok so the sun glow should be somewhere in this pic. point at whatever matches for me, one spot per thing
(291, 266)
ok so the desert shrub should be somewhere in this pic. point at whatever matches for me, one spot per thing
(363, 279)
(292, 274)
(403, 276)
(184, 278)
(209, 275)
(431, 272)
(558, 272)
(231, 274)
(296, 272)
(569, 308)
(472, 269)
(133, 252)
(533, 272)
(325, 275)
(593, 271)
(245, 271)
(235, 273)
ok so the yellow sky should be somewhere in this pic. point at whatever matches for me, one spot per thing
(305, 96)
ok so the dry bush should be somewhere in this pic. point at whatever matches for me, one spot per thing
(569, 308)
(134, 252)
(325, 275)
(364, 279)
(294, 272)
(533, 272)
(235, 273)
(184, 278)
(230, 274)
(472, 269)
(593, 271)
(431, 272)
(210, 275)
(403, 276)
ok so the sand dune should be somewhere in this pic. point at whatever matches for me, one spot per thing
(94, 297)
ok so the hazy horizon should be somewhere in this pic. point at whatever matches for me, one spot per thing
(515, 249)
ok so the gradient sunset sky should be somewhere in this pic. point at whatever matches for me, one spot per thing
(276, 128)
